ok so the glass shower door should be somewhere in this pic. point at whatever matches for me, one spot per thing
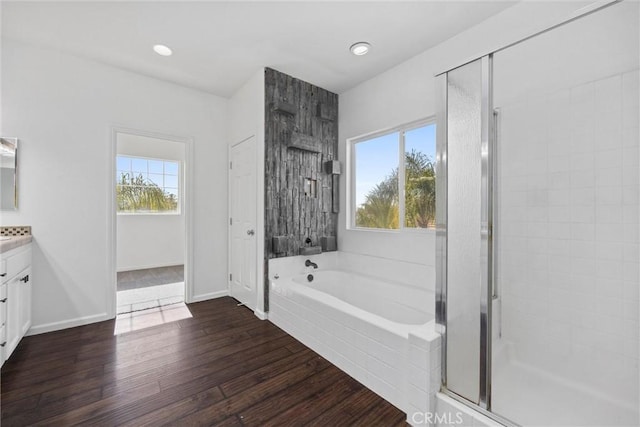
(567, 223)
(538, 196)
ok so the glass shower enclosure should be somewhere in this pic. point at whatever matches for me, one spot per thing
(538, 225)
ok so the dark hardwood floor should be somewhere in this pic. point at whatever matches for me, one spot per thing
(221, 367)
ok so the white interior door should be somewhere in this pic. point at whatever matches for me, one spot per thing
(243, 189)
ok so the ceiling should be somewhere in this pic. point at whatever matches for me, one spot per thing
(218, 45)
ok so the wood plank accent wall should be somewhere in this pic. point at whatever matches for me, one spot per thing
(301, 133)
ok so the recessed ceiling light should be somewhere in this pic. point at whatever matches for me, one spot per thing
(163, 50)
(360, 48)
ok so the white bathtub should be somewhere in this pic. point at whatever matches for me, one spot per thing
(371, 329)
(396, 303)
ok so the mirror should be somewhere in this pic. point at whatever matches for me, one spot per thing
(9, 173)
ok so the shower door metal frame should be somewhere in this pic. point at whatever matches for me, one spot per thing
(594, 7)
(486, 226)
(486, 230)
(441, 220)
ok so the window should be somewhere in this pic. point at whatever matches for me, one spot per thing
(147, 185)
(393, 178)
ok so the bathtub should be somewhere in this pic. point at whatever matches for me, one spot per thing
(397, 308)
(379, 332)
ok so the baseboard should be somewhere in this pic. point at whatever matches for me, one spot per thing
(66, 324)
(261, 315)
(211, 295)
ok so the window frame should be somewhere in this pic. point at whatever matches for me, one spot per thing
(178, 210)
(351, 176)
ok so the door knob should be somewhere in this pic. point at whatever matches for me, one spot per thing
(251, 232)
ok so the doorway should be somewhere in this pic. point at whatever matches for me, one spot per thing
(242, 222)
(150, 220)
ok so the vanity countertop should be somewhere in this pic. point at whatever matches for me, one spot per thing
(11, 242)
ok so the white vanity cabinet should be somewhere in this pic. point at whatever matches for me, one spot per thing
(15, 298)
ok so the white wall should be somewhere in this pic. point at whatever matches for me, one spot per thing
(63, 109)
(406, 93)
(1, 61)
(151, 240)
(246, 119)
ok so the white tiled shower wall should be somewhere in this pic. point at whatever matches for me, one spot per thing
(568, 236)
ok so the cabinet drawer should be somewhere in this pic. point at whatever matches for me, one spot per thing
(3, 270)
(3, 333)
(4, 303)
(16, 263)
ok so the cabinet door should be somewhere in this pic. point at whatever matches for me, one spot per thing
(3, 341)
(13, 315)
(3, 305)
(24, 296)
(3, 321)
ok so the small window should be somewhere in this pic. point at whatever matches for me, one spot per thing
(147, 185)
(393, 179)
